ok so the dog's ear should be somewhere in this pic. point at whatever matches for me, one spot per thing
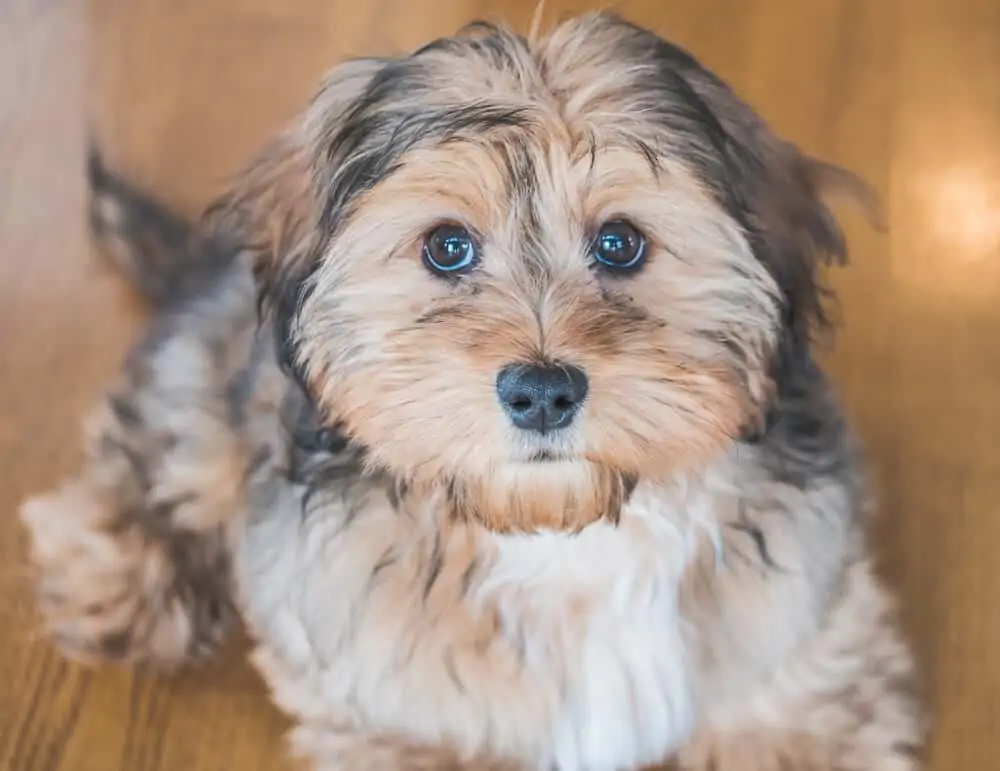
(270, 211)
(782, 197)
(278, 206)
(791, 226)
(794, 232)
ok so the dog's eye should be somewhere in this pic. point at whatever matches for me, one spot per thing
(619, 246)
(449, 249)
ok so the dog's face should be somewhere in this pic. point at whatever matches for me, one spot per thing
(537, 272)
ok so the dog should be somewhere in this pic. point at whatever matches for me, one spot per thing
(485, 397)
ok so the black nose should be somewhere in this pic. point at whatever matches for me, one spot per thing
(541, 398)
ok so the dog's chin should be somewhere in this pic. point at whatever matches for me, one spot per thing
(544, 493)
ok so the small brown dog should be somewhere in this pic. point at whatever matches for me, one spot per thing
(486, 399)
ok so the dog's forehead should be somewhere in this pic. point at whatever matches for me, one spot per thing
(593, 84)
(593, 73)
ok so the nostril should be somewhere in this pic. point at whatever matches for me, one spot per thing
(569, 388)
(520, 403)
(563, 402)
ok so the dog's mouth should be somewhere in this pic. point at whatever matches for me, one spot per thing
(555, 448)
(550, 452)
(548, 456)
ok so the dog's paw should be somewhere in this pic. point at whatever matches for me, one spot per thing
(108, 591)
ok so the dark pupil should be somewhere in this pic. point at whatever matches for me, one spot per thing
(450, 248)
(617, 244)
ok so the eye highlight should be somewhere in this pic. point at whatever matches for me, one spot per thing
(619, 246)
(450, 250)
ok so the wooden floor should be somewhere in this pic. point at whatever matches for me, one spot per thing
(906, 92)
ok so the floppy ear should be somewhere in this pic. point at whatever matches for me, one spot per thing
(277, 208)
(781, 197)
(271, 211)
(794, 231)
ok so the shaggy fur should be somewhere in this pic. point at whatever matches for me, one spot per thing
(310, 431)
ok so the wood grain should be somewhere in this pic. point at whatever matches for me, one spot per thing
(906, 92)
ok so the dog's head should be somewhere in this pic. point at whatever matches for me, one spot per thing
(536, 271)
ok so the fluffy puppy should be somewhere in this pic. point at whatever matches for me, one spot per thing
(485, 396)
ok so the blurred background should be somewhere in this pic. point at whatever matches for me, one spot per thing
(181, 92)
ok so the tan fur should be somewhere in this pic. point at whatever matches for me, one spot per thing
(430, 588)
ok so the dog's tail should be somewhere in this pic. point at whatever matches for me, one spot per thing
(158, 250)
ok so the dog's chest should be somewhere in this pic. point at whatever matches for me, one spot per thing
(559, 651)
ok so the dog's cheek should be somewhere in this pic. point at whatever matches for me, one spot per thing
(421, 403)
(663, 394)
(436, 374)
(662, 418)
(424, 417)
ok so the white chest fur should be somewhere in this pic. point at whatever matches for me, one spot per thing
(556, 650)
